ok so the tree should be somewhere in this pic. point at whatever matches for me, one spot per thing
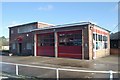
(3, 41)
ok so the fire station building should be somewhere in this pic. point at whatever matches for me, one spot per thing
(82, 40)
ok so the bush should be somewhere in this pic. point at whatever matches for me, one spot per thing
(5, 51)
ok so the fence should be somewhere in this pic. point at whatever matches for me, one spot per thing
(59, 69)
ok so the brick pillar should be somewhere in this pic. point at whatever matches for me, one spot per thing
(56, 44)
(35, 42)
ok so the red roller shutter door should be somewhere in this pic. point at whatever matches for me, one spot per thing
(70, 44)
(45, 44)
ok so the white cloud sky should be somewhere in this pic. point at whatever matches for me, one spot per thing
(46, 8)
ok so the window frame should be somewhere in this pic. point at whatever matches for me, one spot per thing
(28, 46)
(12, 31)
(70, 39)
(13, 46)
(46, 40)
(25, 29)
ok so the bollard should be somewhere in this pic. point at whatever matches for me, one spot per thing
(57, 74)
(111, 75)
(16, 69)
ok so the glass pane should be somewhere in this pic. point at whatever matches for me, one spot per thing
(70, 39)
(46, 40)
(94, 36)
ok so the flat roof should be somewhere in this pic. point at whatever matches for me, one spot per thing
(30, 24)
(101, 27)
(57, 26)
(23, 24)
(68, 25)
(115, 36)
(61, 26)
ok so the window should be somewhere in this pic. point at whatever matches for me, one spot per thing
(13, 46)
(94, 36)
(11, 31)
(105, 45)
(46, 40)
(99, 37)
(100, 45)
(104, 38)
(97, 45)
(100, 42)
(24, 29)
(28, 46)
(70, 39)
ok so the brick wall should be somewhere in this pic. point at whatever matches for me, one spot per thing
(100, 52)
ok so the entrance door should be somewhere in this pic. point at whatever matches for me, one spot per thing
(19, 48)
(95, 44)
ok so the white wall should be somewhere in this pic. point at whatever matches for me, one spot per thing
(5, 47)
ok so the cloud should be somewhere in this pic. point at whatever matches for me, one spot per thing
(46, 8)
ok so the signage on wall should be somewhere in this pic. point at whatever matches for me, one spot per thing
(19, 38)
(99, 31)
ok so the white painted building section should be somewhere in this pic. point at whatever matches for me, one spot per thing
(5, 47)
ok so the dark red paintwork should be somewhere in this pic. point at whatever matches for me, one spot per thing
(63, 51)
(45, 50)
(70, 51)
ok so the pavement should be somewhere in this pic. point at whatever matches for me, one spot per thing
(102, 64)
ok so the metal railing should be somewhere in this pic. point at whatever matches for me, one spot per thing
(59, 69)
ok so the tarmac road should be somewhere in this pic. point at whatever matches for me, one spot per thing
(106, 63)
(47, 73)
